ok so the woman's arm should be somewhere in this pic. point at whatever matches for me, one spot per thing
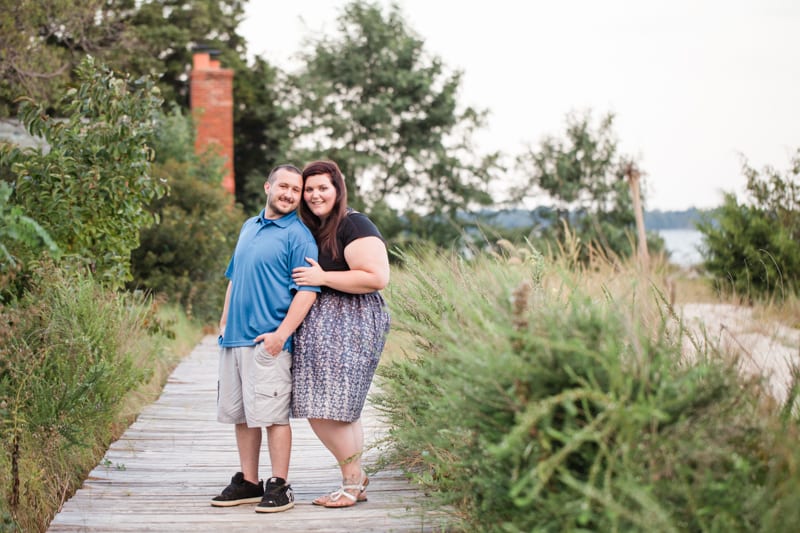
(369, 269)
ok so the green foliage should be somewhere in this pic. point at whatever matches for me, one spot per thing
(18, 231)
(174, 138)
(22, 242)
(529, 407)
(167, 33)
(161, 36)
(583, 175)
(260, 128)
(69, 353)
(90, 189)
(753, 249)
(43, 42)
(174, 142)
(184, 256)
(578, 171)
(374, 101)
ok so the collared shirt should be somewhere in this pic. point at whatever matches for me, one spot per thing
(260, 272)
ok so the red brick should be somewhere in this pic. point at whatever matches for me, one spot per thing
(211, 100)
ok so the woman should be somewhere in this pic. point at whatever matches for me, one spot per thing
(338, 346)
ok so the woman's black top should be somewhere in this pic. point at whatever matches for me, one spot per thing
(354, 226)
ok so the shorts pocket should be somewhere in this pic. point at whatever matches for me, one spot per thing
(272, 391)
(273, 402)
(272, 386)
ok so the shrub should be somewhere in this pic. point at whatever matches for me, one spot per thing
(90, 187)
(184, 256)
(530, 404)
(752, 249)
(21, 240)
(69, 353)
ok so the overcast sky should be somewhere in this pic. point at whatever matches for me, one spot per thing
(693, 83)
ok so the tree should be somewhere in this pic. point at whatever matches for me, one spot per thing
(39, 42)
(184, 256)
(752, 248)
(261, 124)
(165, 34)
(371, 99)
(584, 176)
(90, 189)
(19, 231)
(42, 42)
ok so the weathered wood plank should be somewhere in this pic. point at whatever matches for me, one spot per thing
(163, 471)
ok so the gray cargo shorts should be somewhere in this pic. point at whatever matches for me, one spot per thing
(254, 387)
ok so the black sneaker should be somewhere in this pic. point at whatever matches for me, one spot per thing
(238, 492)
(278, 496)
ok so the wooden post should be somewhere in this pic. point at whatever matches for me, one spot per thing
(633, 175)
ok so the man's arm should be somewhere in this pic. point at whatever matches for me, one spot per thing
(301, 303)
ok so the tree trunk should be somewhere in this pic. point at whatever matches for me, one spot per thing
(633, 180)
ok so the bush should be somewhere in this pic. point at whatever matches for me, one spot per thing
(529, 405)
(70, 351)
(89, 189)
(184, 256)
(22, 240)
(753, 249)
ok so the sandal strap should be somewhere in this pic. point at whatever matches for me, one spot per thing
(342, 491)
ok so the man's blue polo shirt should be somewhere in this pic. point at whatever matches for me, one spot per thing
(260, 272)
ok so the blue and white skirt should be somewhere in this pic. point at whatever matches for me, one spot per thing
(336, 352)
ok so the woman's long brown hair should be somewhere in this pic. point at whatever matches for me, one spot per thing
(324, 231)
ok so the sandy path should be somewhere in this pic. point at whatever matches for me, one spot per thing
(770, 349)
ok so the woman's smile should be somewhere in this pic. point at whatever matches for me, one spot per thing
(319, 194)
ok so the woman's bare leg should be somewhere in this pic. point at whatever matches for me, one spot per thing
(345, 440)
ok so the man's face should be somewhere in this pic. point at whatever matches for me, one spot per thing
(283, 194)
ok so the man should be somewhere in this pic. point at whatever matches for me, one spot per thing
(263, 307)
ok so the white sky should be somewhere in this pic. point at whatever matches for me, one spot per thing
(693, 83)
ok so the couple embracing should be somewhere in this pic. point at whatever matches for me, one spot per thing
(301, 333)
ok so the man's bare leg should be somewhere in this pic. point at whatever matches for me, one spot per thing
(248, 440)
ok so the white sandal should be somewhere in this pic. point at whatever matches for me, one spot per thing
(344, 491)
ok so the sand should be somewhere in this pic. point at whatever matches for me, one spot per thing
(769, 349)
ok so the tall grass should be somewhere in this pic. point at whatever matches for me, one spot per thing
(72, 356)
(539, 395)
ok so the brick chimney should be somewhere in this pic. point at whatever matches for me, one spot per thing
(211, 100)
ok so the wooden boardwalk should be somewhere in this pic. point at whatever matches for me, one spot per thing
(163, 471)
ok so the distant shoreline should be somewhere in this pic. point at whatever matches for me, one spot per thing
(686, 219)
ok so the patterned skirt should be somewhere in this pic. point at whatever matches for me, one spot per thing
(336, 352)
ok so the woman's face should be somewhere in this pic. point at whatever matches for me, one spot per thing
(319, 194)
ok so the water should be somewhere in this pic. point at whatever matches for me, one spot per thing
(682, 245)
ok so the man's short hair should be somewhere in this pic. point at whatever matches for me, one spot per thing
(290, 168)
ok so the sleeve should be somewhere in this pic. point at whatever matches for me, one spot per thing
(229, 270)
(302, 248)
(358, 226)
